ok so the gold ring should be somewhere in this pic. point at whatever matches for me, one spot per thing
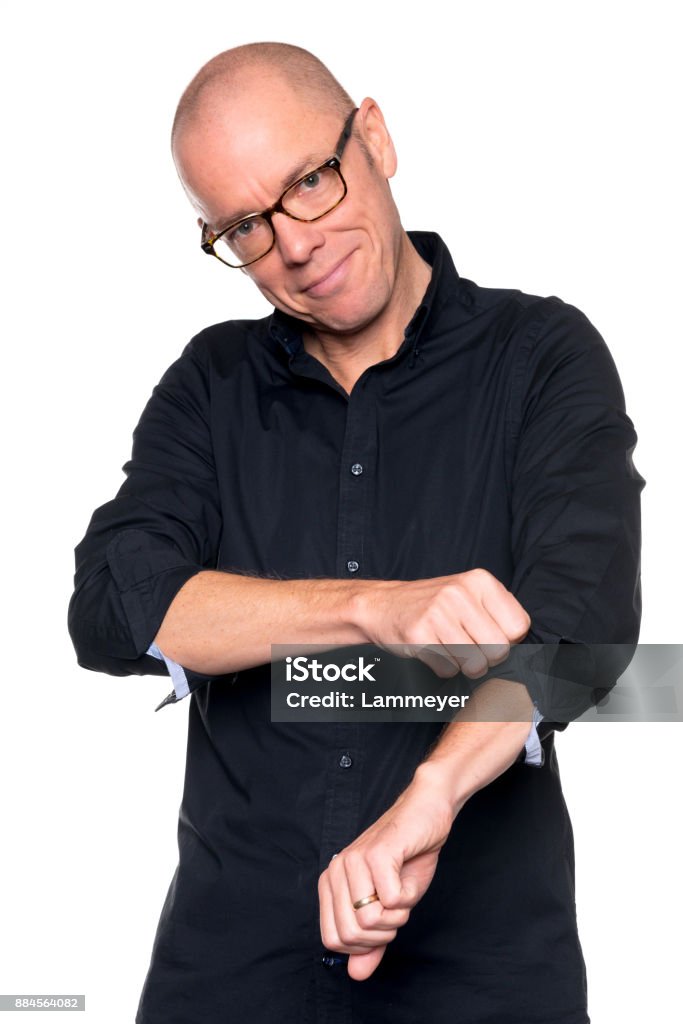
(364, 902)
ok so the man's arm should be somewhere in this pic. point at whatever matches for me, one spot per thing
(397, 856)
(222, 622)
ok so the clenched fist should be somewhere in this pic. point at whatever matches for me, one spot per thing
(465, 622)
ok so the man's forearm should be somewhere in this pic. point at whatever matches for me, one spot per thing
(223, 622)
(481, 743)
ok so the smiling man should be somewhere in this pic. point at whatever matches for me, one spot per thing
(394, 456)
(343, 264)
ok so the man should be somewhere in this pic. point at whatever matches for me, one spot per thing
(397, 457)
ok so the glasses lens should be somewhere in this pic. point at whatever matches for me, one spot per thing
(314, 195)
(245, 242)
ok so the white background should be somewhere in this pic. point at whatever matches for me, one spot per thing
(551, 132)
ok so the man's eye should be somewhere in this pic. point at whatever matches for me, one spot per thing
(312, 181)
(243, 229)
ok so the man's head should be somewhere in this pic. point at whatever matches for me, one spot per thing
(253, 120)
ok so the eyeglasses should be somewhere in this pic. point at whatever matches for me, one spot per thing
(309, 198)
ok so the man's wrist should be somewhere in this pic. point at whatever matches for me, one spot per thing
(433, 788)
(361, 607)
(444, 777)
(469, 756)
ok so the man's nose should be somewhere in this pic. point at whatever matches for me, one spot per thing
(296, 240)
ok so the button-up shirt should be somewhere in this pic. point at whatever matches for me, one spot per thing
(495, 437)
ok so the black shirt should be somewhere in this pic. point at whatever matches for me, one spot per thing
(495, 437)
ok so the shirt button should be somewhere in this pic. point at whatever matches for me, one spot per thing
(345, 761)
(356, 469)
(352, 566)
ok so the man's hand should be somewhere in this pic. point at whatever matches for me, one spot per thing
(464, 622)
(396, 858)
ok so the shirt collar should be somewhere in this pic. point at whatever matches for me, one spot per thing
(432, 249)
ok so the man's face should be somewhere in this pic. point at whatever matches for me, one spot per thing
(337, 273)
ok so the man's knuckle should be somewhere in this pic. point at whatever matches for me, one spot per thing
(366, 918)
(355, 859)
(473, 669)
(479, 576)
(416, 633)
(349, 936)
(520, 621)
(451, 598)
(376, 856)
(495, 653)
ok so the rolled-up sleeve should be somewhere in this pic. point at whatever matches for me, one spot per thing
(575, 514)
(161, 529)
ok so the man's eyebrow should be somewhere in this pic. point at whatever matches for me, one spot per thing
(308, 163)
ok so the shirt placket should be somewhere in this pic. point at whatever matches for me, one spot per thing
(356, 470)
(342, 799)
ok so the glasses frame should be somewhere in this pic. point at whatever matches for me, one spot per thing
(209, 240)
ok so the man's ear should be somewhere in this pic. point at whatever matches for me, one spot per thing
(375, 137)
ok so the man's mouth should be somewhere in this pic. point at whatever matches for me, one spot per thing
(329, 280)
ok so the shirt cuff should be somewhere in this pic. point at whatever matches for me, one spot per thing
(181, 687)
(533, 749)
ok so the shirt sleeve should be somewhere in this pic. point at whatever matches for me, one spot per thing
(575, 513)
(161, 529)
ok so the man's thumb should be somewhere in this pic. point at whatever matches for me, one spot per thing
(409, 892)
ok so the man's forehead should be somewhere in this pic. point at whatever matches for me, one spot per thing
(268, 146)
(267, 102)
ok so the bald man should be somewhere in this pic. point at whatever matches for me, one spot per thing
(397, 457)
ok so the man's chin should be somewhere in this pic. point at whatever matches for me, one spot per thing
(337, 318)
(343, 326)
